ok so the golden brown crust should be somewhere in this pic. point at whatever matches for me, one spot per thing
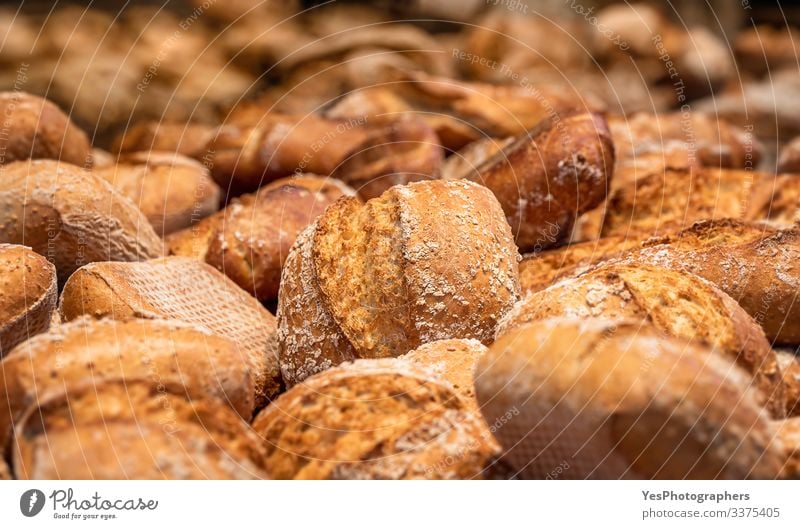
(188, 139)
(677, 303)
(133, 431)
(28, 295)
(453, 361)
(399, 423)
(182, 289)
(790, 371)
(250, 240)
(617, 399)
(777, 200)
(172, 191)
(789, 439)
(39, 129)
(155, 352)
(548, 176)
(789, 157)
(472, 156)
(424, 262)
(71, 216)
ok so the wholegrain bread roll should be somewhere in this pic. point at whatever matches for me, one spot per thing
(172, 191)
(28, 294)
(423, 262)
(616, 399)
(399, 422)
(250, 239)
(548, 176)
(156, 352)
(71, 216)
(36, 128)
(184, 289)
(677, 303)
(133, 431)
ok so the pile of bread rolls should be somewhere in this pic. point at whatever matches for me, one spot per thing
(441, 276)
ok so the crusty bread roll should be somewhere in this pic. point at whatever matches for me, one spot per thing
(677, 303)
(182, 289)
(189, 139)
(789, 365)
(71, 216)
(399, 422)
(133, 431)
(617, 399)
(28, 294)
(39, 129)
(423, 262)
(157, 352)
(172, 191)
(777, 200)
(452, 360)
(548, 176)
(250, 239)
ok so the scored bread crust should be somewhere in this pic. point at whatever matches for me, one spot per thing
(616, 399)
(133, 431)
(398, 422)
(28, 295)
(157, 352)
(677, 303)
(424, 262)
(182, 289)
(71, 216)
(39, 129)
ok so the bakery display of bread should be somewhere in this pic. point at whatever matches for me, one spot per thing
(28, 295)
(421, 240)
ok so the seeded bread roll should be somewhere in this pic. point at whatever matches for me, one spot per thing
(157, 352)
(28, 294)
(39, 129)
(182, 289)
(188, 139)
(399, 423)
(133, 431)
(548, 176)
(172, 191)
(423, 262)
(678, 304)
(250, 239)
(71, 216)
(616, 399)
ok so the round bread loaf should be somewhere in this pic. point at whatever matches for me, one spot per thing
(71, 216)
(28, 294)
(250, 239)
(150, 351)
(36, 128)
(610, 399)
(373, 419)
(133, 431)
(677, 303)
(182, 289)
(547, 177)
(172, 191)
(423, 262)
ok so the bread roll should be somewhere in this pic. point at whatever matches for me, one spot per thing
(398, 423)
(71, 216)
(777, 200)
(182, 289)
(250, 239)
(133, 431)
(546, 177)
(172, 191)
(188, 139)
(36, 128)
(472, 156)
(616, 399)
(28, 293)
(453, 361)
(157, 352)
(678, 304)
(423, 262)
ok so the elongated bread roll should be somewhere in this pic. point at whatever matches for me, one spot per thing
(616, 399)
(28, 295)
(400, 422)
(424, 262)
(71, 216)
(182, 289)
(677, 303)
(133, 431)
